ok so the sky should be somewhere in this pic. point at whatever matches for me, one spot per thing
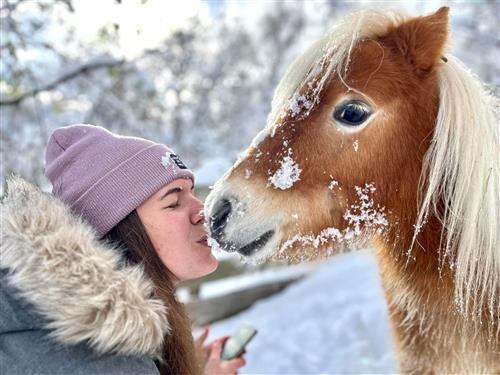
(144, 25)
(141, 26)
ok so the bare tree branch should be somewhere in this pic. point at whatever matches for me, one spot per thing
(83, 69)
(10, 6)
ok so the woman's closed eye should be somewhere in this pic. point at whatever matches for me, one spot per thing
(173, 205)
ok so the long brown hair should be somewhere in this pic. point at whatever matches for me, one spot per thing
(179, 355)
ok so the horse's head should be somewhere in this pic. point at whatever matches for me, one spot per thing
(340, 160)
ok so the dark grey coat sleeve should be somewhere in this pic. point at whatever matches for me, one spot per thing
(26, 348)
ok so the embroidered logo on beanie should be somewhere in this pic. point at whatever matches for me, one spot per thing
(177, 161)
(165, 160)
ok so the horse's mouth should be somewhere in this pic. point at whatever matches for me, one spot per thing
(256, 244)
(251, 247)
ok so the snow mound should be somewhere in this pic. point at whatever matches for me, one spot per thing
(334, 321)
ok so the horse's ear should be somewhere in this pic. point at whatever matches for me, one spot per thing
(422, 40)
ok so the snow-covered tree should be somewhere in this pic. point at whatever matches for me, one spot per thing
(203, 86)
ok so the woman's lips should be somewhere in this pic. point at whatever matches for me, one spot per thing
(203, 241)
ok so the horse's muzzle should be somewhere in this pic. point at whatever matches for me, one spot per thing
(218, 219)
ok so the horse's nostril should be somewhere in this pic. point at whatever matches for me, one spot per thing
(218, 219)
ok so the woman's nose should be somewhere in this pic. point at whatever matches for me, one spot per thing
(198, 214)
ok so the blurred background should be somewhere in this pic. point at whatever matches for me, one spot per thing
(199, 75)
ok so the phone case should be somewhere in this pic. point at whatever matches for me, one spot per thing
(235, 345)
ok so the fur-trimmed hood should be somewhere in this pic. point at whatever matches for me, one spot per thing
(77, 283)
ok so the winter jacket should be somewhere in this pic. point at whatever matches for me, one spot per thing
(69, 304)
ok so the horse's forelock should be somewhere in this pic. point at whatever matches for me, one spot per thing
(328, 55)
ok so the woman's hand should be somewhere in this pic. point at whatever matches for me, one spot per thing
(202, 350)
(215, 365)
(209, 357)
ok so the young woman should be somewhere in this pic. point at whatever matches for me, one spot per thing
(88, 273)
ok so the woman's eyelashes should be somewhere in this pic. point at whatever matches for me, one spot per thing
(173, 205)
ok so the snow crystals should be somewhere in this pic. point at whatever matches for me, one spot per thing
(333, 184)
(365, 213)
(260, 137)
(165, 160)
(355, 145)
(287, 174)
(297, 103)
(361, 217)
(314, 241)
(214, 244)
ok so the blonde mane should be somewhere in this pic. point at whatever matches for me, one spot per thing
(461, 167)
(461, 171)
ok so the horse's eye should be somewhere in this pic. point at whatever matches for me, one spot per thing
(352, 113)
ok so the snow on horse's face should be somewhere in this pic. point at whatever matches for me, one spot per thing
(340, 160)
(375, 138)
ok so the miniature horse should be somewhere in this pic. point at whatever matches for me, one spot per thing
(378, 138)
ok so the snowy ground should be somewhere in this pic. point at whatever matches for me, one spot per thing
(333, 322)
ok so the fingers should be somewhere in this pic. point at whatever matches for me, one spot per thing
(223, 339)
(236, 363)
(215, 365)
(201, 339)
(232, 366)
(216, 348)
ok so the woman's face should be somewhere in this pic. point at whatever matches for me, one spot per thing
(173, 218)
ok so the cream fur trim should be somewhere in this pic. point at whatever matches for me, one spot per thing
(57, 263)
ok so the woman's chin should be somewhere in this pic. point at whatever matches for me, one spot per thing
(209, 265)
(213, 264)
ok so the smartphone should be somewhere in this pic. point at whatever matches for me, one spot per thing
(235, 345)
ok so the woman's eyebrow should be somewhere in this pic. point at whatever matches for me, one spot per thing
(172, 191)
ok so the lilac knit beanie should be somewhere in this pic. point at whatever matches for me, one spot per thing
(104, 176)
